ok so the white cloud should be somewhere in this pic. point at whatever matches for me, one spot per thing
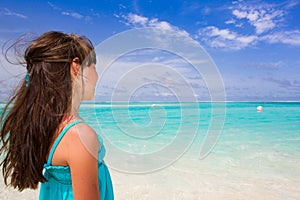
(164, 34)
(231, 21)
(286, 37)
(247, 39)
(54, 7)
(162, 25)
(224, 38)
(239, 14)
(267, 22)
(253, 16)
(265, 19)
(224, 33)
(73, 14)
(262, 16)
(268, 65)
(8, 12)
(137, 21)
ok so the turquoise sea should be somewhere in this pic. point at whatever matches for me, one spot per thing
(154, 149)
(253, 154)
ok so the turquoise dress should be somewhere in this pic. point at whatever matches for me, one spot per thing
(59, 184)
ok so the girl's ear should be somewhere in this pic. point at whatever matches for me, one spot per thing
(75, 66)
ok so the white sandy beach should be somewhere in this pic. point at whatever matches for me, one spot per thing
(9, 193)
(196, 180)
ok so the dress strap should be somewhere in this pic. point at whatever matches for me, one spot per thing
(58, 139)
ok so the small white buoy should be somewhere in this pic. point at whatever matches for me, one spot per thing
(153, 105)
(259, 108)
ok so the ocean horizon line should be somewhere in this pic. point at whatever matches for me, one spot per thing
(88, 102)
(99, 102)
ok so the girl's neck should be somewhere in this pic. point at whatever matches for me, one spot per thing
(73, 115)
(75, 106)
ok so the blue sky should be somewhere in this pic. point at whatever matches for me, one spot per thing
(254, 44)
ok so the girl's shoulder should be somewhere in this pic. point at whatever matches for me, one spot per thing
(75, 140)
(82, 135)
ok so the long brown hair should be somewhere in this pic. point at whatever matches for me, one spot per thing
(33, 114)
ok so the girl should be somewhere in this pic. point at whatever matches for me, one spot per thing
(43, 138)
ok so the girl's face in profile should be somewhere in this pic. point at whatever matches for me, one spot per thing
(90, 77)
